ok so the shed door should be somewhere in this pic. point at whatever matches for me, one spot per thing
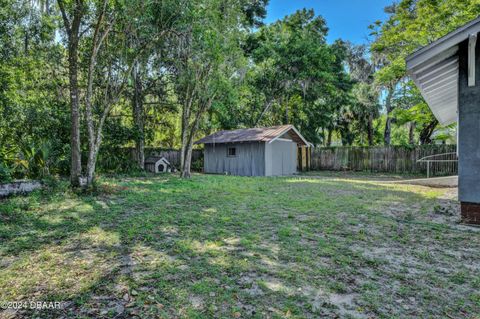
(284, 158)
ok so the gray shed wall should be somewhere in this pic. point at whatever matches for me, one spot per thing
(249, 161)
(281, 158)
(469, 129)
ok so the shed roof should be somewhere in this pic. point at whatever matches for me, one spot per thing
(434, 68)
(257, 134)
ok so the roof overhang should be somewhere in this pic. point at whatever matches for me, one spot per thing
(434, 69)
(296, 136)
(265, 134)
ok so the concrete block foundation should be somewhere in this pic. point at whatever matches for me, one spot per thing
(470, 213)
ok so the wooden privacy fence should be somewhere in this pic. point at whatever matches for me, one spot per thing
(172, 155)
(383, 159)
(386, 159)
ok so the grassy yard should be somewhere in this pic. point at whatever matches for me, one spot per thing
(233, 247)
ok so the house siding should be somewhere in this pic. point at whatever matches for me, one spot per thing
(469, 130)
(249, 159)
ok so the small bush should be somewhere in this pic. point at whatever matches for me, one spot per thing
(197, 166)
(5, 174)
(116, 161)
(52, 183)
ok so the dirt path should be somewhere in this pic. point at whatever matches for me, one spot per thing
(436, 182)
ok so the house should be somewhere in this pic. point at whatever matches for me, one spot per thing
(447, 72)
(271, 151)
(155, 164)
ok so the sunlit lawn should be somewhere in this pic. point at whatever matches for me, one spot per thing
(234, 247)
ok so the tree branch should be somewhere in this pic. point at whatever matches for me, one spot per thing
(98, 38)
(66, 21)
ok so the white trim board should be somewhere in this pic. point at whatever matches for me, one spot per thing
(285, 131)
(435, 70)
(443, 44)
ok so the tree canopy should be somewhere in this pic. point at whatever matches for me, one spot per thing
(83, 80)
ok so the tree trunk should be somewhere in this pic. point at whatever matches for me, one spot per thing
(91, 165)
(388, 131)
(186, 171)
(265, 109)
(427, 131)
(388, 122)
(186, 112)
(95, 136)
(286, 110)
(76, 159)
(370, 130)
(411, 133)
(329, 138)
(95, 141)
(138, 117)
(184, 139)
(187, 165)
(26, 42)
(73, 30)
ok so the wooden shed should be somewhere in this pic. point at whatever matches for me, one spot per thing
(271, 151)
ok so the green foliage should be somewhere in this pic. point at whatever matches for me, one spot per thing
(36, 162)
(33, 112)
(254, 74)
(29, 161)
(411, 25)
(116, 160)
(5, 173)
(296, 77)
(400, 135)
(33, 161)
(197, 165)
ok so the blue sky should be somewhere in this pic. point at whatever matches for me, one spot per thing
(346, 19)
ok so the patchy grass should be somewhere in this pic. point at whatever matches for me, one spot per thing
(235, 247)
(363, 175)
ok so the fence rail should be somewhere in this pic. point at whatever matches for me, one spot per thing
(386, 159)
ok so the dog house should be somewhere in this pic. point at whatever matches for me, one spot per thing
(157, 165)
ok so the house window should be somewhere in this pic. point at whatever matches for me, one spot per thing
(231, 151)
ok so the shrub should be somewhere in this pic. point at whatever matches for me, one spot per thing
(197, 165)
(34, 161)
(5, 174)
(116, 160)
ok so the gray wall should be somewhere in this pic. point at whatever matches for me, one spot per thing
(469, 130)
(250, 159)
(281, 158)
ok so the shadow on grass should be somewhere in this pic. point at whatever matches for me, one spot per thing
(220, 245)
